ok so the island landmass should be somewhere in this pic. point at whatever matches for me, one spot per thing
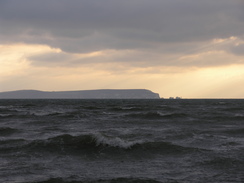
(81, 94)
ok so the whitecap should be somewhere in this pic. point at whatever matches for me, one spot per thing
(115, 141)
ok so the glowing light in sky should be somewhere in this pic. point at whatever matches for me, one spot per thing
(176, 49)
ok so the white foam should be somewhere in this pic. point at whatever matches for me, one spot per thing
(115, 141)
(5, 115)
(239, 115)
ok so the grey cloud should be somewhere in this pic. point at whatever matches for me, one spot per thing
(238, 49)
(137, 59)
(83, 25)
(51, 58)
(62, 59)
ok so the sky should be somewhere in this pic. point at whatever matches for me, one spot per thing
(186, 48)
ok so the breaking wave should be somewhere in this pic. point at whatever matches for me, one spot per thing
(90, 144)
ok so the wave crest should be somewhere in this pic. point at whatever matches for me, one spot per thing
(156, 115)
(98, 144)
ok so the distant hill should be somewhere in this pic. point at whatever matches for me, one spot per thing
(81, 94)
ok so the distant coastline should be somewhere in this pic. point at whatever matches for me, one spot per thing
(81, 94)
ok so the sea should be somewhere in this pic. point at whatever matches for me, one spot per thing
(122, 141)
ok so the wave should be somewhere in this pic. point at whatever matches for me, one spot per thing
(7, 112)
(224, 162)
(91, 145)
(156, 115)
(11, 145)
(46, 112)
(91, 107)
(88, 143)
(5, 131)
(128, 108)
(10, 142)
(58, 113)
(115, 180)
(226, 117)
(237, 132)
(17, 116)
(41, 114)
(5, 115)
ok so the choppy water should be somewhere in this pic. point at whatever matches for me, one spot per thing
(74, 141)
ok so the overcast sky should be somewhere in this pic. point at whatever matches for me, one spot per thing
(187, 48)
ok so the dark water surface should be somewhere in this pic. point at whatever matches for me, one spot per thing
(74, 141)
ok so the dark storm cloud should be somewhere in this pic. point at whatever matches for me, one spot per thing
(86, 25)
